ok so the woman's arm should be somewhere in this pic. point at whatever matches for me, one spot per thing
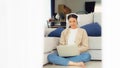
(84, 42)
(62, 38)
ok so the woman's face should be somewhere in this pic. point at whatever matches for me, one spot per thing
(73, 22)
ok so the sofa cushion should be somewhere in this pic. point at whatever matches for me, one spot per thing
(50, 43)
(56, 32)
(84, 19)
(95, 54)
(93, 29)
(94, 42)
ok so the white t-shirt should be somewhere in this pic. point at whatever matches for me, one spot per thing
(71, 37)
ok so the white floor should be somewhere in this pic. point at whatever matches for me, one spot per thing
(91, 64)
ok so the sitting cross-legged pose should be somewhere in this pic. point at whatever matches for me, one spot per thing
(72, 35)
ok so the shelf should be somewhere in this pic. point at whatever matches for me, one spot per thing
(56, 24)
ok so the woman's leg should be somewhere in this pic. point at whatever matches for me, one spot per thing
(55, 59)
(80, 59)
(72, 61)
(83, 57)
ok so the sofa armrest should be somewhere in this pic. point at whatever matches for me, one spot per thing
(50, 44)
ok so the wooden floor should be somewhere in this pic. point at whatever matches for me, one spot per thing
(91, 64)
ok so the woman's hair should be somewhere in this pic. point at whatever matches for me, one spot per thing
(72, 16)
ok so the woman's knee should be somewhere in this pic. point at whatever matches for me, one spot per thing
(51, 57)
(86, 56)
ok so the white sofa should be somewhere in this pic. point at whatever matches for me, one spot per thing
(94, 42)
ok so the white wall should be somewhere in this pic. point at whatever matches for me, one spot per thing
(47, 13)
(74, 5)
(21, 33)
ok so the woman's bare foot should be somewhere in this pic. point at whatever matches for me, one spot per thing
(77, 64)
(82, 64)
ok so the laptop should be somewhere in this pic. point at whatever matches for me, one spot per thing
(68, 50)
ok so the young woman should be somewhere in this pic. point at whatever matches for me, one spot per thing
(73, 35)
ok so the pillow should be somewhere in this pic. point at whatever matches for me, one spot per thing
(97, 17)
(84, 19)
(92, 29)
(56, 33)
